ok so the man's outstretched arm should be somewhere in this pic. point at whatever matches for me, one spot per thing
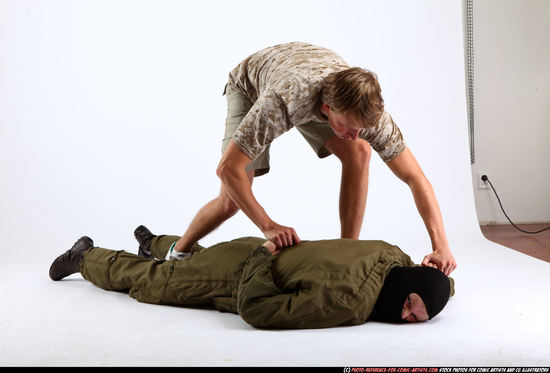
(405, 167)
(232, 172)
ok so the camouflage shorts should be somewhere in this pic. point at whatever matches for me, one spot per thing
(238, 105)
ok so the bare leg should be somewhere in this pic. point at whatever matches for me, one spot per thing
(210, 217)
(355, 158)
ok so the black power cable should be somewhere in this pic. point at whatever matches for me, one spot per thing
(485, 178)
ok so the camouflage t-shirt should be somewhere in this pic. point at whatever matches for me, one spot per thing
(284, 83)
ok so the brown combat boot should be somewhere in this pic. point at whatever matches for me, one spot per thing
(144, 237)
(68, 263)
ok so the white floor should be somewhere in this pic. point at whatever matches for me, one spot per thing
(499, 317)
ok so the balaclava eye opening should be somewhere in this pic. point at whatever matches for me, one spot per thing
(431, 284)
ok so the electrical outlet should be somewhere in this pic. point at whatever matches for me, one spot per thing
(482, 184)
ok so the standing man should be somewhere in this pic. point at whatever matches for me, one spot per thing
(339, 110)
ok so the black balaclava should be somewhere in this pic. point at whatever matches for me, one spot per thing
(431, 284)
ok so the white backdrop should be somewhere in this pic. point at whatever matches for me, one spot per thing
(111, 116)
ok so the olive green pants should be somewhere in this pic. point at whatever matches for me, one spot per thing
(209, 277)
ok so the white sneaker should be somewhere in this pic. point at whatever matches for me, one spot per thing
(176, 255)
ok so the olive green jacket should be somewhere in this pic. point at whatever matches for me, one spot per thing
(316, 283)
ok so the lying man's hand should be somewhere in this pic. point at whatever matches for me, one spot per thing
(271, 247)
(442, 260)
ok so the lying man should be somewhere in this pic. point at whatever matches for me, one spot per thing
(314, 284)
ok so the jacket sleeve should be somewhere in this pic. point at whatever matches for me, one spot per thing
(262, 304)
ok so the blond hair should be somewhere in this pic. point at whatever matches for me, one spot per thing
(354, 90)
